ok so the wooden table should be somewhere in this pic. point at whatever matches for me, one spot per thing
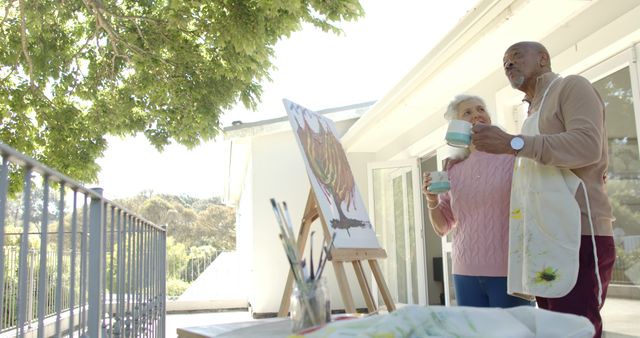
(263, 328)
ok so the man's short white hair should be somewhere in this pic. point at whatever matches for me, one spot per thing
(452, 109)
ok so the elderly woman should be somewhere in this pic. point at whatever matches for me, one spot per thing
(476, 210)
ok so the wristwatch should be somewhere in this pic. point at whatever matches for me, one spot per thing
(517, 143)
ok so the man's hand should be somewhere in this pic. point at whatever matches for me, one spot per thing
(491, 139)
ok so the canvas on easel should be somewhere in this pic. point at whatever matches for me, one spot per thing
(335, 200)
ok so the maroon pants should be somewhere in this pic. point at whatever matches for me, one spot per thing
(583, 298)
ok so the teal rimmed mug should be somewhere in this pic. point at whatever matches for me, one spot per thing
(459, 133)
(439, 182)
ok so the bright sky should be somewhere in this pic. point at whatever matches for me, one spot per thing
(315, 69)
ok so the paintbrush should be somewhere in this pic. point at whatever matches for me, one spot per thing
(311, 254)
(321, 258)
(279, 217)
(327, 250)
(292, 261)
(288, 219)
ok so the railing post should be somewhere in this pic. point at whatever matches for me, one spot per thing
(4, 186)
(94, 313)
(162, 277)
(24, 251)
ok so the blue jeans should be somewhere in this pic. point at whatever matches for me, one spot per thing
(482, 291)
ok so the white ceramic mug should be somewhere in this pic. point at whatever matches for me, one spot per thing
(459, 133)
(439, 182)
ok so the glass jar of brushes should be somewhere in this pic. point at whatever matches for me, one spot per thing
(310, 305)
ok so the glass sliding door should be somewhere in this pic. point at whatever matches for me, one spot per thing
(617, 90)
(440, 284)
(394, 203)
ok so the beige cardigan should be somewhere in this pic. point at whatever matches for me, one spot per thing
(573, 136)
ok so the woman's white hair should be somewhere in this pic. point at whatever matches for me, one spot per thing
(452, 109)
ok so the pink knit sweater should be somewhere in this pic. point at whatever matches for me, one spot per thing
(477, 211)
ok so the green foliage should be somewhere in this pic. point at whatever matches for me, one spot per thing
(623, 195)
(74, 71)
(175, 287)
(626, 263)
(190, 221)
(176, 256)
(12, 236)
(627, 259)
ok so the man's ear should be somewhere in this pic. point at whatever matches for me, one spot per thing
(543, 60)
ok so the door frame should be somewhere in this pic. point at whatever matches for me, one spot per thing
(413, 165)
(440, 153)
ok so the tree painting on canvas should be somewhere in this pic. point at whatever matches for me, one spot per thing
(331, 179)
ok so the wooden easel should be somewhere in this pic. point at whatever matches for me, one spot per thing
(338, 257)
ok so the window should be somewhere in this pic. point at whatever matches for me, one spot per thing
(624, 172)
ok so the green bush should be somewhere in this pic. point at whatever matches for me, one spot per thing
(175, 287)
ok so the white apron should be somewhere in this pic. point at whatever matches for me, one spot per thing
(544, 225)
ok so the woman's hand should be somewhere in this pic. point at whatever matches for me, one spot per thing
(426, 180)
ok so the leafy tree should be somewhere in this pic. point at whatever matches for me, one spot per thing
(625, 202)
(216, 226)
(190, 221)
(74, 71)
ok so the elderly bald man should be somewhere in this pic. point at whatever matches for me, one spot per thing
(563, 140)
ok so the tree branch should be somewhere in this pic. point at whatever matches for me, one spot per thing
(140, 33)
(131, 17)
(97, 8)
(25, 44)
(101, 23)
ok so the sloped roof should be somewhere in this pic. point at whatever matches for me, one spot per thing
(242, 130)
(470, 55)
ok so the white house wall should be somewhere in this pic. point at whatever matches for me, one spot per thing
(278, 172)
(244, 232)
(236, 168)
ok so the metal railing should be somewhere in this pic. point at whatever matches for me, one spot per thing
(190, 271)
(75, 263)
(10, 289)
